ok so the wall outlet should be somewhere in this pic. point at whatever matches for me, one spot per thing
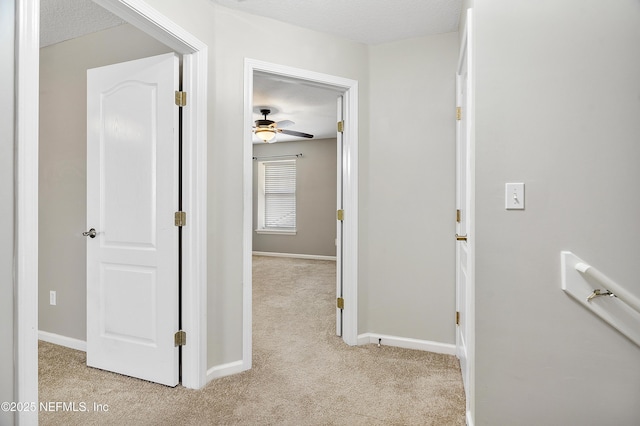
(52, 297)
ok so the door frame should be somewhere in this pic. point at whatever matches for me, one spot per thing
(467, 51)
(152, 22)
(350, 193)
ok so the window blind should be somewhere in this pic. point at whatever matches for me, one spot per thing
(280, 194)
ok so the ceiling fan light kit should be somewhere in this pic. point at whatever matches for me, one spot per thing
(266, 134)
(267, 129)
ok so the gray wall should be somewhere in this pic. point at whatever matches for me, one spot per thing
(62, 192)
(406, 260)
(406, 170)
(232, 37)
(6, 206)
(558, 105)
(315, 198)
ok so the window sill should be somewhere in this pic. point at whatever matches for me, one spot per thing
(276, 231)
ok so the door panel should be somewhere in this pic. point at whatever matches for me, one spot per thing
(127, 206)
(132, 194)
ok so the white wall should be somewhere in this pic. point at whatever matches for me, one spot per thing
(316, 183)
(410, 250)
(7, 205)
(62, 169)
(558, 100)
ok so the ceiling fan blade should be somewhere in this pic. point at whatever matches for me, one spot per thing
(294, 133)
(285, 123)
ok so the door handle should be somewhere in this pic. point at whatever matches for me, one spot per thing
(91, 233)
(461, 237)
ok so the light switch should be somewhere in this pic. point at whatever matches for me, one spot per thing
(514, 196)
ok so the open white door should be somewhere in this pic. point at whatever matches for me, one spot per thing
(465, 217)
(132, 195)
(339, 219)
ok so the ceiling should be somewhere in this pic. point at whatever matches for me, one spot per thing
(311, 107)
(366, 21)
(62, 20)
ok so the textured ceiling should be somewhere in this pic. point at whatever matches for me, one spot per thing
(312, 108)
(366, 21)
(62, 20)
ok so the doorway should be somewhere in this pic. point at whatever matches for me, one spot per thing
(139, 14)
(347, 172)
(295, 197)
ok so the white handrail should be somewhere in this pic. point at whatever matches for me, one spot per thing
(609, 285)
(586, 285)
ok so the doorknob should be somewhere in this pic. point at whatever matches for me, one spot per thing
(90, 233)
(461, 237)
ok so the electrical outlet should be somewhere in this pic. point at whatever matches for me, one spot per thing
(52, 297)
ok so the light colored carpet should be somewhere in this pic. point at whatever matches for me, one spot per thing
(302, 373)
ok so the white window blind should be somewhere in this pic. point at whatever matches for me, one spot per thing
(279, 194)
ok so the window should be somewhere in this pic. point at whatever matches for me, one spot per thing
(277, 197)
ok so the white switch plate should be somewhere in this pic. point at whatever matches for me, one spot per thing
(514, 196)
(52, 297)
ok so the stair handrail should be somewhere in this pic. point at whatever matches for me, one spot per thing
(612, 287)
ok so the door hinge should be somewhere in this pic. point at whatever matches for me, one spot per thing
(458, 113)
(180, 218)
(180, 338)
(181, 98)
(458, 215)
(341, 126)
(340, 214)
(457, 317)
(340, 303)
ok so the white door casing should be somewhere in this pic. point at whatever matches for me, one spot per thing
(339, 223)
(147, 19)
(132, 195)
(465, 203)
(349, 171)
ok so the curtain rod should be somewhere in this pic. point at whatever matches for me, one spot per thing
(280, 156)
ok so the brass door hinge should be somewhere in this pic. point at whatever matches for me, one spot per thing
(340, 303)
(181, 98)
(458, 113)
(180, 218)
(180, 338)
(457, 318)
(458, 215)
(341, 126)
(340, 214)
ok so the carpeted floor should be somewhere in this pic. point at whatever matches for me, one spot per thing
(302, 373)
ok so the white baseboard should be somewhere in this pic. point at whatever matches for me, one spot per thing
(294, 255)
(224, 370)
(407, 343)
(469, 419)
(69, 342)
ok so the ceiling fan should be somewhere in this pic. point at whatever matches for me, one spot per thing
(267, 129)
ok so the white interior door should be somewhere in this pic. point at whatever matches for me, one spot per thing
(465, 215)
(132, 195)
(339, 222)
